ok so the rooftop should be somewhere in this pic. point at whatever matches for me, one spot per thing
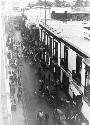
(72, 32)
(71, 10)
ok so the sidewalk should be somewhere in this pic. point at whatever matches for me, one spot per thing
(17, 116)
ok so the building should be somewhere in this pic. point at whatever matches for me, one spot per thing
(68, 13)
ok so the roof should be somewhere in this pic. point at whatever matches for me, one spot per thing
(61, 9)
(88, 28)
(71, 10)
(72, 32)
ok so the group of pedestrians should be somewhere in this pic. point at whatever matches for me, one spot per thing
(15, 77)
(42, 118)
(19, 92)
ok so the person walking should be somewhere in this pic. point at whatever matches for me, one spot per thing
(40, 118)
(19, 94)
(46, 118)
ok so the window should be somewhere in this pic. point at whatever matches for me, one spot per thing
(76, 74)
(66, 57)
(56, 52)
(78, 64)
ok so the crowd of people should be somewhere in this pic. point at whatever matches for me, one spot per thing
(15, 78)
(31, 52)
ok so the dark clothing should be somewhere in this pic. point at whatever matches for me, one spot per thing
(46, 118)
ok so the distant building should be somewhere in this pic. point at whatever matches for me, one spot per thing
(68, 13)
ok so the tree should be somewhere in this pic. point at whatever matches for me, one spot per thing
(57, 3)
(63, 3)
(79, 3)
(48, 3)
(40, 3)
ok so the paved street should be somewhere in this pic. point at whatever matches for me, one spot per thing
(26, 111)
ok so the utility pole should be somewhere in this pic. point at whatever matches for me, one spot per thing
(45, 12)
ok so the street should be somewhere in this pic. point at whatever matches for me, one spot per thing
(44, 79)
(31, 104)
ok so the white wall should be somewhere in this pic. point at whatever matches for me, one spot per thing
(62, 50)
(71, 60)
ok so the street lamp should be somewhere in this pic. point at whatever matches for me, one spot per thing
(45, 12)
